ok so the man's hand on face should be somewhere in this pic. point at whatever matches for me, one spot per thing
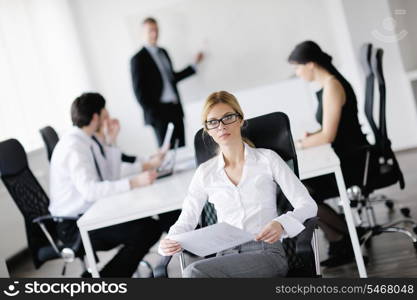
(111, 129)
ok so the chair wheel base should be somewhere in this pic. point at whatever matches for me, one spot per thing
(389, 204)
(368, 243)
(405, 211)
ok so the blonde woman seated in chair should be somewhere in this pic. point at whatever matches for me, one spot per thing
(241, 182)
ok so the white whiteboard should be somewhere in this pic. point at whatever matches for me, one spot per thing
(293, 97)
(246, 42)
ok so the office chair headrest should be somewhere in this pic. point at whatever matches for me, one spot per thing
(49, 132)
(365, 58)
(12, 157)
(377, 65)
(271, 131)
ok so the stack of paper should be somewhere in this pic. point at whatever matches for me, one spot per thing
(212, 239)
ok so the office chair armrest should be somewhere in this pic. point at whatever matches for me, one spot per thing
(303, 243)
(55, 219)
(161, 270)
(42, 220)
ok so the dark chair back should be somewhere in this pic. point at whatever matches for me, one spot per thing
(50, 138)
(384, 167)
(384, 142)
(271, 131)
(25, 190)
(366, 57)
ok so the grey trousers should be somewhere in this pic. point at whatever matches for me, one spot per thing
(249, 260)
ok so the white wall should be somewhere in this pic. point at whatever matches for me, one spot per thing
(247, 45)
(349, 65)
(42, 68)
(365, 22)
(286, 96)
(404, 15)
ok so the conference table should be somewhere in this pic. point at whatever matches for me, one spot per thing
(167, 194)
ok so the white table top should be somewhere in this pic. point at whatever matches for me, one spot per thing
(316, 160)
(168, 193)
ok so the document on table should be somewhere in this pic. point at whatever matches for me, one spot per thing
(212, 239)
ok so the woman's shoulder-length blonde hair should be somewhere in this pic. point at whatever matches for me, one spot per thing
(226, 98)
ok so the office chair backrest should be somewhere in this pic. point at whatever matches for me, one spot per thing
(25, 190)
(366, 57)
(378, 70)
(384, 169)
(50, 138)
(271, 131)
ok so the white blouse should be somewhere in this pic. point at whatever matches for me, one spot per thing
(252, 203)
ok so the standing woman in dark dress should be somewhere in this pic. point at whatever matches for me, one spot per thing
(337, 114)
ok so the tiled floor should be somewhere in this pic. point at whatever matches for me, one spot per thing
(390, 255)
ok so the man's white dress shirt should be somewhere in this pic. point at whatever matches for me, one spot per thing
(75, 183)
(161, 61)
(251, 204)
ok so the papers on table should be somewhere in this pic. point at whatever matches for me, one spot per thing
(212, 239)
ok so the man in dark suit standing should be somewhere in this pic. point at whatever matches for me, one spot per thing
(155, 85)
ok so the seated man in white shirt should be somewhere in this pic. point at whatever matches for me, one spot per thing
(107, 135)
(81, 175)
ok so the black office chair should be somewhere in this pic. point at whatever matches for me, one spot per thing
(50, 138)
(366, 54)
(270, 131)
(389, 169)
(370, 68)
(381, 166)
(33, 203)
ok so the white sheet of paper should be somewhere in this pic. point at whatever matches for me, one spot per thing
(212, 239)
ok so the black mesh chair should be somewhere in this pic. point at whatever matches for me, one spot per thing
(366, 56)
(382, 143)
(33, 203)
(270, 131)
(381, 166)
(389, 171)
(50, 138)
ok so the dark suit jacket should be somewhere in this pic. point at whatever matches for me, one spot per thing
(148, 84)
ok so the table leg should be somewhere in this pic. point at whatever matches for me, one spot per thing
(89, 252)
(351, 225)
(4, 273)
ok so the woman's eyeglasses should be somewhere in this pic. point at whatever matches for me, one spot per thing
(226, 120)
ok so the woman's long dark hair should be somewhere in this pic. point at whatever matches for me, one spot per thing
(309, 51)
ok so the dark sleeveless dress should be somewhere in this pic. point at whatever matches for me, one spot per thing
(349, 134)
(348, 138)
